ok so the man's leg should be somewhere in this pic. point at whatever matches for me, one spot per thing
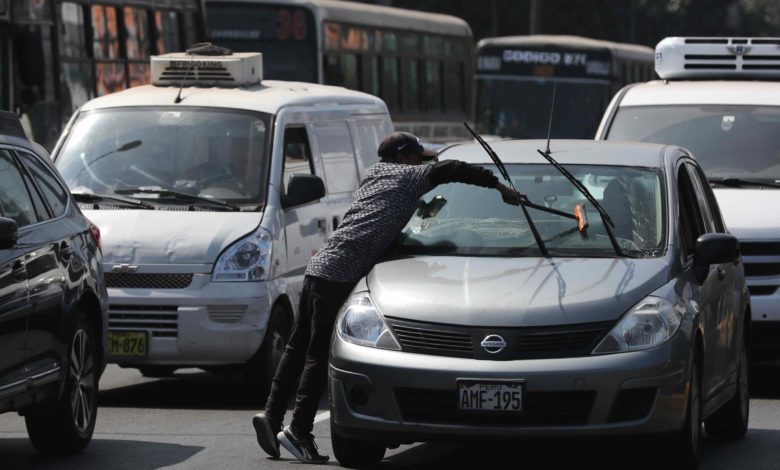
(269, 423)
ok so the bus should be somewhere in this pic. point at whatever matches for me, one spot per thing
(56, 55)
(515, 76)
(420, 64)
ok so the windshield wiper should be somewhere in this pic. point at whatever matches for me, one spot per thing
(502, 170)
(176, 195)
(731, 182)
(92, 197)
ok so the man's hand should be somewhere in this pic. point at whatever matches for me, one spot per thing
(509, 195)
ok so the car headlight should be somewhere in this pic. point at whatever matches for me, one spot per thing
(249, 259)
(650, 323)
(361, 323)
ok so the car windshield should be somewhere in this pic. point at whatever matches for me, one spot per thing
(211, 153)
(461, 219)
(728, 141)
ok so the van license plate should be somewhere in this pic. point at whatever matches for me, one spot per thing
(476, 395)
(128, 343)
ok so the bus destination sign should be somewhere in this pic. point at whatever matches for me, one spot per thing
(522, 61)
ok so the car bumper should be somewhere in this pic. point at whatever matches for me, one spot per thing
(205, 324)
(395, 397)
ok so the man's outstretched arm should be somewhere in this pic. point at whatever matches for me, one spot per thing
(456, 171)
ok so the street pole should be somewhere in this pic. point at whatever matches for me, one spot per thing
(535, 17)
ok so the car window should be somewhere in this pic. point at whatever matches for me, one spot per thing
(691, 224)
(15, 202)
(709, 195)
(335, 146)
(40, 206)
(297, 155)
(701, 196)
(52, 190)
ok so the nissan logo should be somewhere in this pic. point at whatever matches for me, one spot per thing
(493, 344)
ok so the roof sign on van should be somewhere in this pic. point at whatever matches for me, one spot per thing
(185, 69)
(717, 57)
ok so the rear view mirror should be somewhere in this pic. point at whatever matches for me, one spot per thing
(303, 189)
(8, 233)
(714, 248)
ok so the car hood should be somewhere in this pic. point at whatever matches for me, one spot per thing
(511, 292)
(165, 237)
(750, 214)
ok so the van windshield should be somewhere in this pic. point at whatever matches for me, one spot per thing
(728, 141)
(205, 152)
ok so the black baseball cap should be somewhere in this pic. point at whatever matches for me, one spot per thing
(403, 142)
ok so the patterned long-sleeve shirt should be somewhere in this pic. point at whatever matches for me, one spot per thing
(384, 203)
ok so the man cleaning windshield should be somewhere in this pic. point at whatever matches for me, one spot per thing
(384, 203)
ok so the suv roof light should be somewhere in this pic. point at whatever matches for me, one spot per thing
(200, 67)
(717, 57)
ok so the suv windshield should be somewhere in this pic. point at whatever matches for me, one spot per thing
(728, 141)
(461, 219)
(210, 153)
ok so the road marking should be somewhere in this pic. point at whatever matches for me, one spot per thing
(322, 416)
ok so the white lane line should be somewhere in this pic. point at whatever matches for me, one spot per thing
(322, 416)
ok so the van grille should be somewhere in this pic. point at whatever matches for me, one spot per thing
(226, 313)
(762, 262)
(148, 280)
(159, 320)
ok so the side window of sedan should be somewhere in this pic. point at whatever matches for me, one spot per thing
(691, 223)
(15, 200)
(52, 190)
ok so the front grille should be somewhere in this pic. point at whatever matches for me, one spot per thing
(759, 248)
(159, 320)
(226, 313)
(765, 335)
(148, 280)
(761, 269)
(762, 290)
(539, 408)
(522, 343)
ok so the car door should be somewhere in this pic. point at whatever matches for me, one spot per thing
(706, 295)
(48, 263)
(725, 280)
(15, 203)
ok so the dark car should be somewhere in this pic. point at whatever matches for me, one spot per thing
(53, 299)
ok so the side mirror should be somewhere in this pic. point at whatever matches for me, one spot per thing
(303, 189)
(714, 248)
(8, 233)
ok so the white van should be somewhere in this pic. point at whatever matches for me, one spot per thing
(212, 190)
(720, 98)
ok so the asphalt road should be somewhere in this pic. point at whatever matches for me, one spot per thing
(200, 421)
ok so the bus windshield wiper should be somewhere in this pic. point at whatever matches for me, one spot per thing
(176, 195)
(92, 197)
(502, 170)
(731, 182)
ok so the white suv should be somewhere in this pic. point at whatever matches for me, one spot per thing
(720, 98)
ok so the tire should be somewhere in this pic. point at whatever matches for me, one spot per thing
(66, 426)
(731, 420)
(157, 371)
(687, 441)
(260, 369)
(352, 453)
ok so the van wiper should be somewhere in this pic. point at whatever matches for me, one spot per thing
(178, 196)
(605, 218)
(739, 182)
(92, 197)
(502, 170)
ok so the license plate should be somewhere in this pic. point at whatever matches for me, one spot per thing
(477, 395)
(128, 343)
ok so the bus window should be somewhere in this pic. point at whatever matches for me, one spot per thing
(433, 86)
(167, 24)
(72, 42)
(411, 86)
(350, 70)
(137, 45)
(453, 87)
(75, 67)
(371, 74)
(390, 82)
(109, 68)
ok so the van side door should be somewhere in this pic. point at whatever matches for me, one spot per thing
(369, 130)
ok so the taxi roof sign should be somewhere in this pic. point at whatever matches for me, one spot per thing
(717, 57)
(182, 69)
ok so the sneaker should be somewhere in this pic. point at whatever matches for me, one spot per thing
(266, 435)
(303, 448)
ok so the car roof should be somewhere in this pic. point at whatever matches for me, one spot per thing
(571, 152)
(703, 92)
(268, 97)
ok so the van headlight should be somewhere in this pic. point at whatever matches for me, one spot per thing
(361, 323)
(650, 323)
(249, 259)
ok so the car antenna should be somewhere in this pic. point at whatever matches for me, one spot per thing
(580, 211)
(189, 68)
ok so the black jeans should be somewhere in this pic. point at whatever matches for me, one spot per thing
(307, 352)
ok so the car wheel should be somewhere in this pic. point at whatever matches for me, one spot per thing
(157, 371)
(66, 426)
(352, 453)
(260, 369)
(731, 420)
(687, 441)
